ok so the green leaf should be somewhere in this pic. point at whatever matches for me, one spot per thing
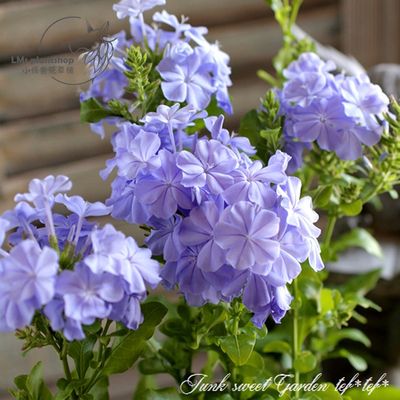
(310, 288)
(238, 347)
(305, 362)
(92, 111)
(151, 366)
(126, 349)
(20, 382)
(174, 327)
(353, 298)
(146, 382)
(380, 393)
(278, 346)
(349, 333)
(327, 301)
(355, 360)
(254, 366)
(358, 237)
(362, 284)
(35, 385)
(94, 328)
(353, 208)
(250, 126)
(14, 393)
(161, 394)
(87, 396)
(393, 194)
(100, 390)
(62, 384)
(65, 393)
(321, 196)
(81, 351)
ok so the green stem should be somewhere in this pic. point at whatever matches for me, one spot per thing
(94, 379)
(329, 230)
(375, 191)
(295, 339)
(295, 11)
(64, 360)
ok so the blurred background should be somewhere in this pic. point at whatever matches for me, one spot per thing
(40, 132)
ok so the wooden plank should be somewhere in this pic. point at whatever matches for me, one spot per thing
(24, 22)
(27, 94)
(46, 141)
(247, 43)
(371, 30)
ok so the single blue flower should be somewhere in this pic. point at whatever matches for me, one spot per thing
(321, 121)
(186, 81)
(162, 189)
(253, 184)
(87, 295)
(198, 229)
(140, 155)
(307, 62)
(211, 164)
(43, 191)
(247, 235)
(306, 88)
(165, 238)
(29, 273)
(363, 100)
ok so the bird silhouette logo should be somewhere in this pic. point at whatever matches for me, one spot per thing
(99, 56)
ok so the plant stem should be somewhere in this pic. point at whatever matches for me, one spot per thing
(64, 359)
(295, 340)
(295, 10)
(329, 230)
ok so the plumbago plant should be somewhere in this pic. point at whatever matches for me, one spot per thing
(230, 218)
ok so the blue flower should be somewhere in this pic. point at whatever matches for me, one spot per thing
(236, 143)
(210, 165)
(307, 62)
(133, 8)
(247, 235)
(42, 191)
(71, 329)
(306, 88)
(87, 295)
(363, 100)
(162, 189)
(198, 229)
(140, 155)
(186, 81)
(165, 237)
(107, 244)
(29, 273)
(322, 121)
(253, 184)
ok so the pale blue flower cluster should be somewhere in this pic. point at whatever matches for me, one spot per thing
(339, 113)
(192, 70)
(225, 225)
(70, 270)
